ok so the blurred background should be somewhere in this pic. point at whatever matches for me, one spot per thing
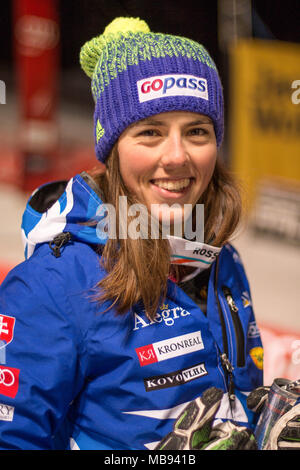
(46, 127)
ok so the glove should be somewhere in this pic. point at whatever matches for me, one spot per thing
(288, 429)
(278, 427)
(193, 428)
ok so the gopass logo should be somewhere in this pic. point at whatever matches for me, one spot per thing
(169, 348)
(172, 85)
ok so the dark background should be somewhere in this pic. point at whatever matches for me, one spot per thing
(80, 20)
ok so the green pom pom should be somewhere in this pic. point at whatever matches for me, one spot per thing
(125, 25)
(89, 56)
(91, 51)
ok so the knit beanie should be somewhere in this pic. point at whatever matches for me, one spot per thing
(137, 73)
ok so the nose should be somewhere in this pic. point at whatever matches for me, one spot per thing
(174, 152)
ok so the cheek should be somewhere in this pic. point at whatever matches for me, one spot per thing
(135, 167)
(211, 164)
(206, 163)
(205, 168)
(126, 165)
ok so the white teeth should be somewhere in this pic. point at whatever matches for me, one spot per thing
(173, 185)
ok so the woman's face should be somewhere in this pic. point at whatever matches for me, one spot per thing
(168, 158)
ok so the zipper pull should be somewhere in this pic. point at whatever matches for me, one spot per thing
(230, 300)
(58, 241)
(229, 368)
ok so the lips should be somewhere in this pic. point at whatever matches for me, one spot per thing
(172, 185)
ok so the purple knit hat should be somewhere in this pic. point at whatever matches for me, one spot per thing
(136, 73)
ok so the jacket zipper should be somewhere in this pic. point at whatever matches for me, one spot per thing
(228, 367)
(226, 364)
(238, 329)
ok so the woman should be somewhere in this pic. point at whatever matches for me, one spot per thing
(111, 327)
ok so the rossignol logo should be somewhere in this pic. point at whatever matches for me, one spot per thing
(173, 379)
(169, 348)
(206, 253)
(172, 85)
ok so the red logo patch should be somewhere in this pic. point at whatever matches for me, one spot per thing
(146, 355)
(9, 381)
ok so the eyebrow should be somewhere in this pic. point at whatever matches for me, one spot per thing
(155, 122)
(200, 121)
(146, 121)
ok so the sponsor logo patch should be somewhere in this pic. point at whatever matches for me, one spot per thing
(169, 348)
(253, 331)
(246, 299)
(6, 412)
(9, 381)
(172, 85)
(165, 314)
(257, 355)
(99, 131)
(7, 324)
(173, 379)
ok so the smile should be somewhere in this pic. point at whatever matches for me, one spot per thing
(177, 185)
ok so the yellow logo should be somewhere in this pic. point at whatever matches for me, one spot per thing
(164, 306)
(246, 299)
(257, 355)
(99, 131)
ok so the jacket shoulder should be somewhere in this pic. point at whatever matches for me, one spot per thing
(230, 252)
(46, 283)
(76, 260)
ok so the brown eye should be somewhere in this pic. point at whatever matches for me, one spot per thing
(149, 132)
(198, 131)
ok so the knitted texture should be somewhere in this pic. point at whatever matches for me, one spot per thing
(137, 73)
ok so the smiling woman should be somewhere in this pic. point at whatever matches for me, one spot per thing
(111, 337)
(168, 159)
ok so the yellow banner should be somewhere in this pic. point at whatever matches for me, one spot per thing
(264, 111)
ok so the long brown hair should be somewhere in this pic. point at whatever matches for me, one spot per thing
(138, 269)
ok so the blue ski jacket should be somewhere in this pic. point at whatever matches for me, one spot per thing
(73, 377)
